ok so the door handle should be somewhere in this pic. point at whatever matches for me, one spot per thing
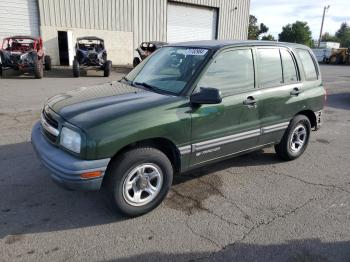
(295, 92)
(250, 101)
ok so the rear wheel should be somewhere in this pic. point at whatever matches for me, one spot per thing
(107, 68)
(138, 180)
(136, 62)
(38, 67)
(76, 68)
(295, 139)
(0, 70)
(47, 63)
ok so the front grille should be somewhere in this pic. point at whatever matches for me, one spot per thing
(50, 120)
(50, 136)
(92, 57)
(15, 58)
(49, 126)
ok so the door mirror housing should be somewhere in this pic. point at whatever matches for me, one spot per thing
(206, 96)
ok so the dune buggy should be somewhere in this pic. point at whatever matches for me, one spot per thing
(90, 53)
(24, 53)
(146, 49)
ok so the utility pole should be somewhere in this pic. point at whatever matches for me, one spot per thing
(324, 14)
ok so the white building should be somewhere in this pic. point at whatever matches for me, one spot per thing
(123, 24)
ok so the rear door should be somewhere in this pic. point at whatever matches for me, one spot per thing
(281, 90)
(232, 126)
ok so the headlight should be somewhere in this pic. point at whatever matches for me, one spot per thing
(70, 140)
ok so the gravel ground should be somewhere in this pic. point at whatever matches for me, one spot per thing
(249, 208)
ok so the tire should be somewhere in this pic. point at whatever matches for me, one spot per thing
(1, 70)
(76, 68)
(47, 63)
(136, 62)
(107, 68)
(299, 127)
(339, 60)
(124, 168)
(38, 67)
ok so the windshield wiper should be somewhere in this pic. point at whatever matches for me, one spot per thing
(148, 86)
(126, 80)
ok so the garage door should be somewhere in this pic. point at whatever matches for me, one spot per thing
(19, 17)
(189, 22)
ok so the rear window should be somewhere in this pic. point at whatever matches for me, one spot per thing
(270, 67)
(289, 70)
(308, 64)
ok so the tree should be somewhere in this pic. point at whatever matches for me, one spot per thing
(343, 34)
(299, 32)
(255, 30)
(268, 37)
(327, 37)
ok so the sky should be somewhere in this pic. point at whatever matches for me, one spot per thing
(277, 13)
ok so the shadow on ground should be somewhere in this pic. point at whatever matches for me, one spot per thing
(309, 250)
(30, 202)
(339, 101)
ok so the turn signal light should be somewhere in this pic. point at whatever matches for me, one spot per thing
(91, 174)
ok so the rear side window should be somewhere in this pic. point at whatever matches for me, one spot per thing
(270, 67)
(308, 65)
(289, 70)
(231, 71)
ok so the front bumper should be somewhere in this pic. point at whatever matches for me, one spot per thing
(65, 168)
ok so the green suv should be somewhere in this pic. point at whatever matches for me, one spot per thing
(187, 105)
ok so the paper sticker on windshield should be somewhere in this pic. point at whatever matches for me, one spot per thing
(194, 51)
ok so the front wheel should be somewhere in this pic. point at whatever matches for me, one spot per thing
(38, 67)
(295, 139)
(76, 68)
(107, 68)
(138, 180)
(136, 62)
(48, 65)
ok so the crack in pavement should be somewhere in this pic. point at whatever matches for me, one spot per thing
(198, 205)
(261, 224)
(312, 183)
(229, 200)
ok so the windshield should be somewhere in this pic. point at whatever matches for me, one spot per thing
(169, 69)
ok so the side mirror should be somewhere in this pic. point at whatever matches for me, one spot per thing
(206, 96)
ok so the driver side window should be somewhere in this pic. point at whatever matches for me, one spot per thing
(230, 72)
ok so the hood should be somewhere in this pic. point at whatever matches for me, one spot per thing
(88, 106)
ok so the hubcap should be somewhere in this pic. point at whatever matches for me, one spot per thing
(298, 138)
(142, 184)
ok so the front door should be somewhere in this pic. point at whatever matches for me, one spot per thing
(233, 125)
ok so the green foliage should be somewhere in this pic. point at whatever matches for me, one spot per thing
(255, 30)
(299, 32)
(327, 37)
(343, 34)
(268, 37)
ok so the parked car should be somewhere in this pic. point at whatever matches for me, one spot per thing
(146, 49)
(24, 53)
(191, 104)
(90, 53)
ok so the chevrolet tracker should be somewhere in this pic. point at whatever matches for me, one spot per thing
(187, 105)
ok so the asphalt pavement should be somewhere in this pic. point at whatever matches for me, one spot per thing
(250, 208)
